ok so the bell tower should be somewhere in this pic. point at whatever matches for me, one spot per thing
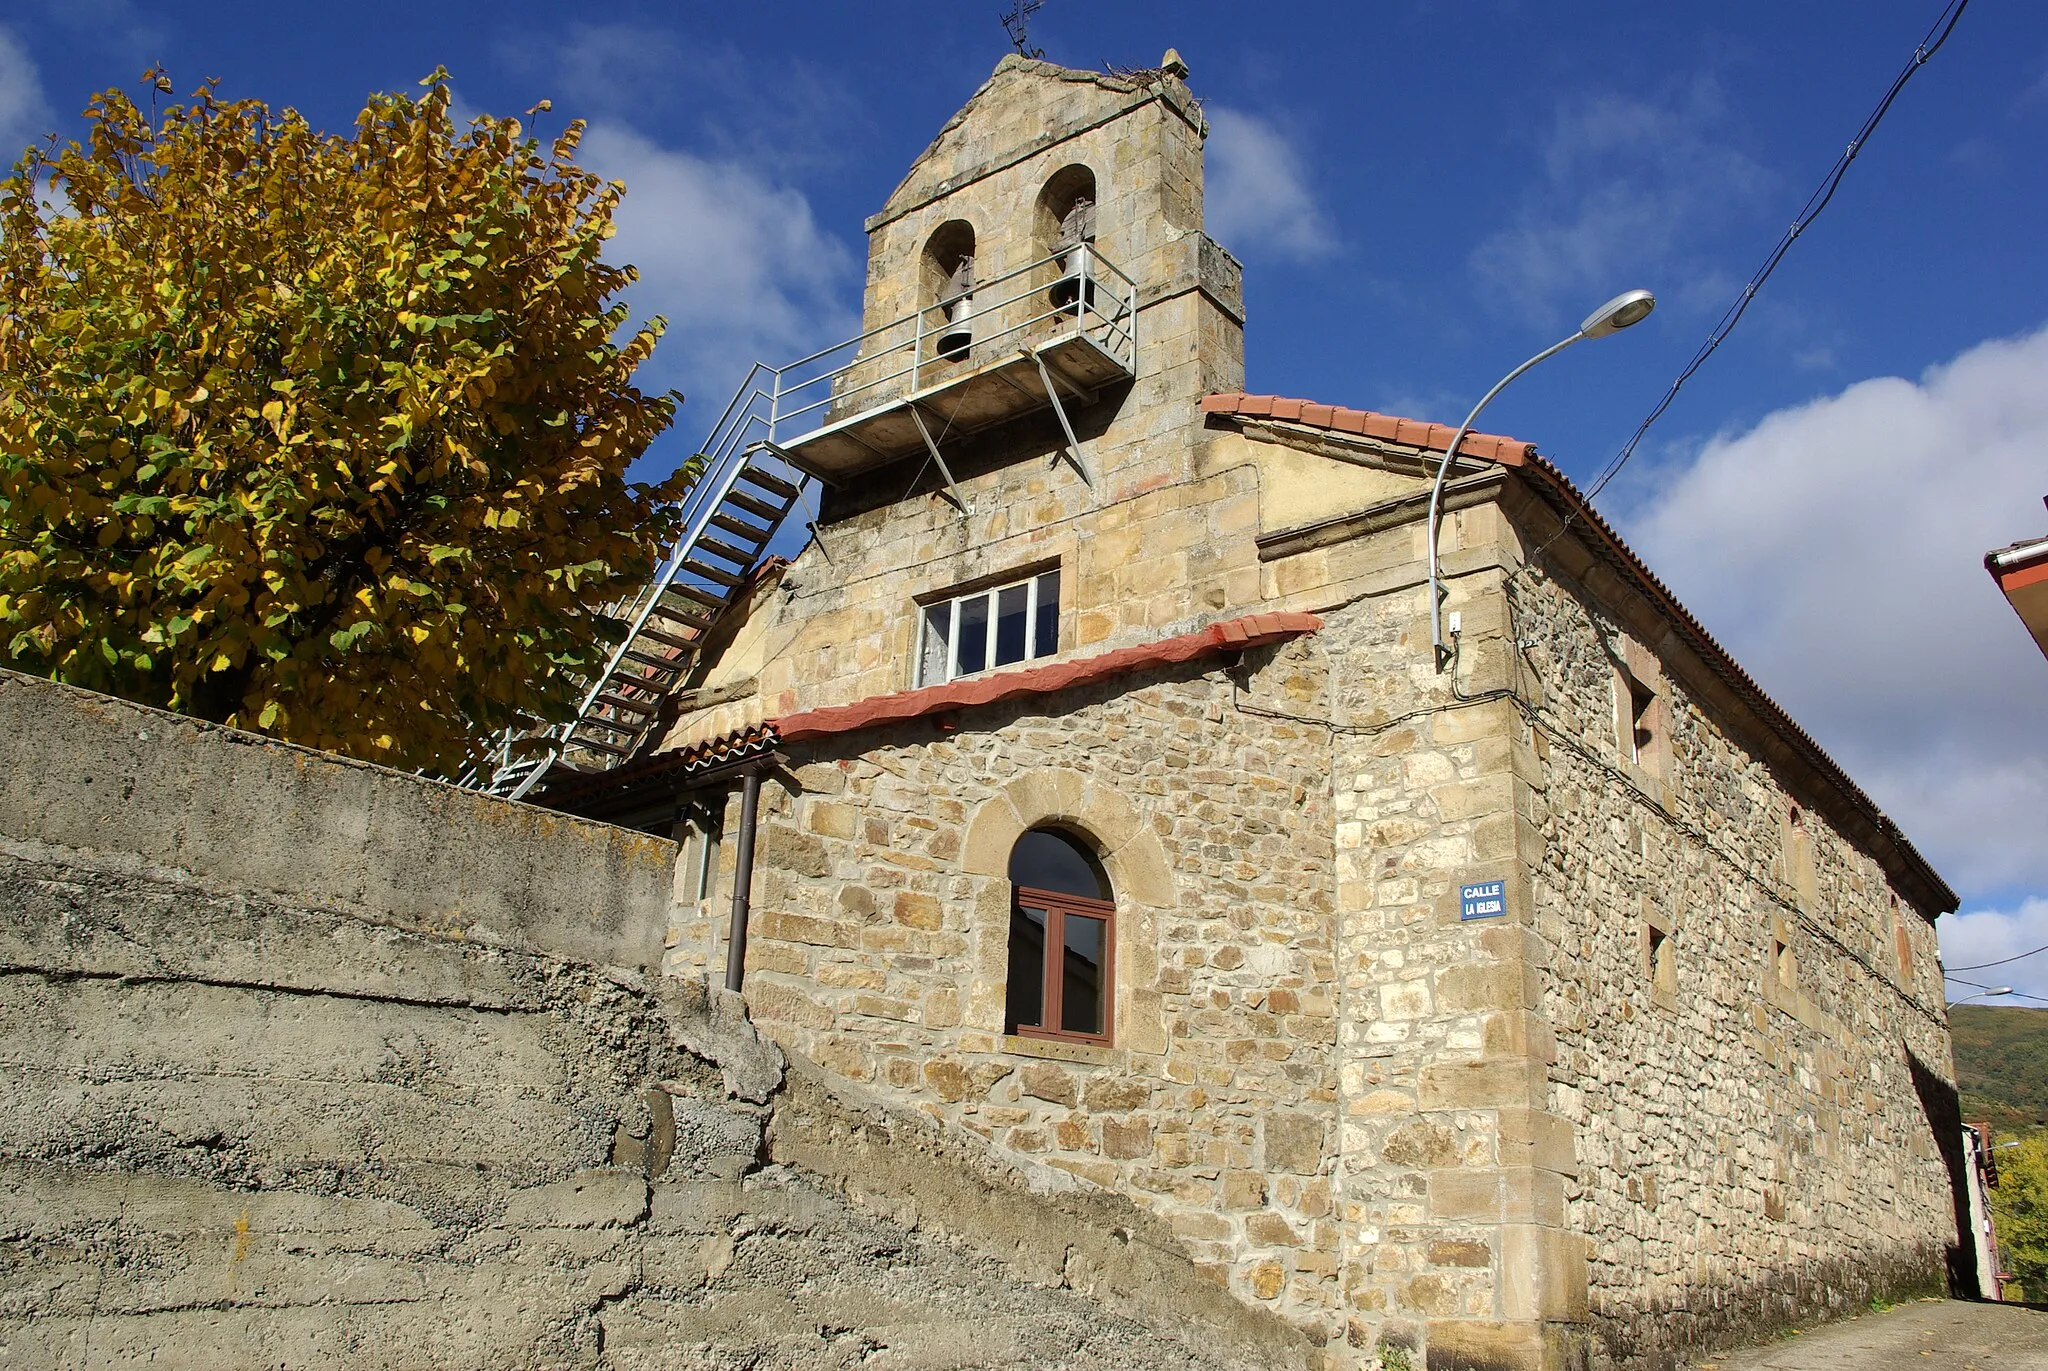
(1044, 254)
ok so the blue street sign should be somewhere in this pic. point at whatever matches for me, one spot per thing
(1486, 900)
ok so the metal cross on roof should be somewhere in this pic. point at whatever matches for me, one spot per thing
(1017, 23)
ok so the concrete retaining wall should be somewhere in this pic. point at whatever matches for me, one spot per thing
(307, 1063)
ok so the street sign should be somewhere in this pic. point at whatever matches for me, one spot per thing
(1486, 900)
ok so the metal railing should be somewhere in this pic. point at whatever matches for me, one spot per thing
(1074, 290)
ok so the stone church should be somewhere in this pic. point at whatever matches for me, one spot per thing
(1090, 782)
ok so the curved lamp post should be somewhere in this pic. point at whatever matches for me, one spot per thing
(1617, 314)
(1982, 994)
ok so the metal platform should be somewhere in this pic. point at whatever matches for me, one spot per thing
(1049, 334)
(959, 406)
(858, 405)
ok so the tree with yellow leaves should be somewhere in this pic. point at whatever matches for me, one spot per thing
(324, 436)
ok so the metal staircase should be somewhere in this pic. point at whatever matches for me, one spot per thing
(730, 516)
(1040, 336)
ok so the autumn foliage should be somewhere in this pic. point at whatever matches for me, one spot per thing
(320, 435)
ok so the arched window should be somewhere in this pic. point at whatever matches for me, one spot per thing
(949, 284)
(1066, 233)
(1062, 936)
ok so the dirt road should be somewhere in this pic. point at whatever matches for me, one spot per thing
(1945, 1335)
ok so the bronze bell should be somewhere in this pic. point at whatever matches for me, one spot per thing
(1074, 292)
(957, 302)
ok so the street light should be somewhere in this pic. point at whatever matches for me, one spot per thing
(1630, 307)
(1982, 994)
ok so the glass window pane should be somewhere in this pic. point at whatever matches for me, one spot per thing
(1025, 1006)
(973, 634)
(938, 619)
(1081, 975)
(1010, 624)
(1045, 636)
(1047, 859)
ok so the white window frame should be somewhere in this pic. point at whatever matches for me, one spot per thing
(955, 668)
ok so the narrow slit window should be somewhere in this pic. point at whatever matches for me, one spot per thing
(1641, 733)
(984, 629)
(1662, 962)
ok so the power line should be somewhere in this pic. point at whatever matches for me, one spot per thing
(1815, 203)
(1980, 966)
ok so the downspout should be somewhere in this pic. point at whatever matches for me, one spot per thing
(742, 878)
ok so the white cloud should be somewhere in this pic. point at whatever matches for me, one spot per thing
(1629, 187)
(1837, 548)
(24, 114)
(1990, 935)
(1257, 191)
(737, 264)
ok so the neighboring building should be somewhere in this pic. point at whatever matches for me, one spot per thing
(2021, 572)
(1568, 1007)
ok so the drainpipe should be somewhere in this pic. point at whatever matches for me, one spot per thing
(742, 878)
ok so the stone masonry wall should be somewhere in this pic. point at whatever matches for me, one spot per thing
(880, 941)
(1449, 1178)
(307, 1063)
(1753, 1150)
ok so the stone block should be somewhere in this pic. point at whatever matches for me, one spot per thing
(1292, 1142)
(1536, 1138)
(914, 910)
(1126, 1139)
(1484, 985)
(1458, 1252)
(1046, 1082)
(1543, 1274)
(1112, 1093)
(1482, 1345)
(1500, 1083)
(1469, 1196)
(1244, 1190)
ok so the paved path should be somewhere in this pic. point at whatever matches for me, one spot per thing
(1944, 1334)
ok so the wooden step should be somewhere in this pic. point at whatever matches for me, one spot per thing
(702, 597)
(667, 639)
(731, 554)
(666, 665)
(596, 745)
(760, 509)
(755, 476)
(741, 529)
(710, 573)
(631, 706)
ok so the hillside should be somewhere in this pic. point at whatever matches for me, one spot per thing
(2002, 1064)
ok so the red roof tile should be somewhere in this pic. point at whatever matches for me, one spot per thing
(1386, 427)
(1253, 630)
(1564, 496)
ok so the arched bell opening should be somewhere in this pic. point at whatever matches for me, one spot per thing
(949, 283)
(1066, 232)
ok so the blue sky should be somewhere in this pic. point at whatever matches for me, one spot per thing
(1422, 194)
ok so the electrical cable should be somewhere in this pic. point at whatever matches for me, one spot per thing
(1980, 966)
(1815, 203)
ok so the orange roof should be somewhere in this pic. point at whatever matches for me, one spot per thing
(1253, 630)
(1558, 491)
(760, 740)
(1386, 427)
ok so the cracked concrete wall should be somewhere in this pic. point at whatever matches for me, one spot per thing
(307, 1063)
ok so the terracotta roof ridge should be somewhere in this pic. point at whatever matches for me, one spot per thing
(1251, 630)
(1366, 423)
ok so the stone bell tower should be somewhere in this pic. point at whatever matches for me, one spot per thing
(1045, 253)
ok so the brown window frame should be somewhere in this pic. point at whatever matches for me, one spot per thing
(1052, 990)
